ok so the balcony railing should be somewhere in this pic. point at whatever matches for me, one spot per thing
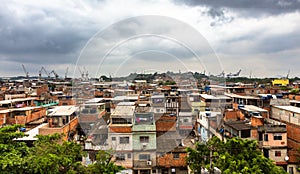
(143, 164)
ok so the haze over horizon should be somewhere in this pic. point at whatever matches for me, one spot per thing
(260, 37)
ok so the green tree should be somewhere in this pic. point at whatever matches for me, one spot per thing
(49, 154)
(198, 157)
(52, 155)
(236, 156)
(104, 164)
(12, 153)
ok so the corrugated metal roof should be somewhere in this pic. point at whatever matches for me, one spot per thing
(16, 100)
(123, 111)
(241, 96)
(253, 108)
(18, 109)
(63, 110)
(289, 108)
(95, 100)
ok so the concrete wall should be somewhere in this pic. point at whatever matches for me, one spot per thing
(137, 145)
(116, 143)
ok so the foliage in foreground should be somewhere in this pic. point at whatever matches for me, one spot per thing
(49, 154)
(235, 156)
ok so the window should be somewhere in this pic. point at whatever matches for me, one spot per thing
(113, 138)
(266, 153)
(129, 155)
(185, 120)
(120, 157)
(200, 116)
(291, 170)
(266, 137)
(260, 136)
(245, 133)
(157, 110)
(144, 139)
(277, 153)
(124, 140)
(158, 100)
(143, 119)
(121, 121)
(144, 157)
(176, 155)
(277, 137)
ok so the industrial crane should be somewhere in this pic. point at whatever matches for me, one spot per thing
(55, 74)
(26, 72)
(86, 73)
(66, 73)
(43, 69)
(82, 73)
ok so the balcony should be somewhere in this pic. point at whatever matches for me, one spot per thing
(65, 129)
(143, 164)
(27, 117)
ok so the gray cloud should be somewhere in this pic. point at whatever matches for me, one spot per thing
(39, 36)
(257, 43)
(249, 7)
(53, 34)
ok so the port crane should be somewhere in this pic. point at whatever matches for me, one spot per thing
(55, 74)
(81, 72)
(43, 69)
(66, 73)
(26, 72)
(86, 73)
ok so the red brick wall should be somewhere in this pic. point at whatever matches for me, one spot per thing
(36, 115)
(165, 123)
(293, 132)
(254, 134)
(42, 89)
(233, 115)
(67, 101)
(294, 97)
(167, 160)
(120, 129)
(2, 119)
(293, 152)
(46, 130)
(257, 121)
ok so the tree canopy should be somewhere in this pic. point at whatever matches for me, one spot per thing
(49, 154)
(235, 156)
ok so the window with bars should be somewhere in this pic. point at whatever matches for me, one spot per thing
(277, 137)
(124, 140)
(120, 157)
(277, 153)
(266, 137)
(144, 157)
(176, 155)
(121, 121)
(144, 139)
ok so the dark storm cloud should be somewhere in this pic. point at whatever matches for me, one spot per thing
(219, 16)
(248, 7)
(39, 36)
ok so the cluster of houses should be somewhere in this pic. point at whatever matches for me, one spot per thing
(148, 126)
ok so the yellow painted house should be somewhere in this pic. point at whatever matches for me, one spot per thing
(280, 82)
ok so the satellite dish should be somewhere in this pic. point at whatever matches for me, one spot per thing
(286, 158)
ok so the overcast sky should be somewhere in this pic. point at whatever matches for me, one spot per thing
(118, 37)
